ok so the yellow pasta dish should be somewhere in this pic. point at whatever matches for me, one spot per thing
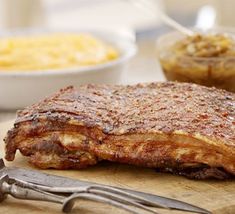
(54, 51)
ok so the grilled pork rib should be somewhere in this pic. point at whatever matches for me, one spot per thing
(175, 127)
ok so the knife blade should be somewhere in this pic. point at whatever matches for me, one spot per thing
(44, 179)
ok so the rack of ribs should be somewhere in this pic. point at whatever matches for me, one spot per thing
(180, 128)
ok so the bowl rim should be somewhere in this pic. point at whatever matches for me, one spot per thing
(128, 52)
(227, 30)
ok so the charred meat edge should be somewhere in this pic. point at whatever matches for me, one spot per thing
(61, 155)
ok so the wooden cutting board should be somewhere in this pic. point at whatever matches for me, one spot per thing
(216, 196)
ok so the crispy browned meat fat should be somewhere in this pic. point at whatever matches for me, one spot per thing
(180, 128)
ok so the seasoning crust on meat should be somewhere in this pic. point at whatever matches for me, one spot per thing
(180, 128)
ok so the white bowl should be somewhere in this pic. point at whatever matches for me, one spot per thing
(21, 88)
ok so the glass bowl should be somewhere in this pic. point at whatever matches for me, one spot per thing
(209, 71)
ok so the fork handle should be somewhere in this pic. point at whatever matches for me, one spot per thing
(30, 194)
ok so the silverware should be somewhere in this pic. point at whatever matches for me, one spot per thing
(34, 185)
(26, 191)
(145, 6)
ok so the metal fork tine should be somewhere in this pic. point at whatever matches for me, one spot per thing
(112, 192)
(134, 197)
(107, 192)
(70, 201)
(122, 199)
(126, 194)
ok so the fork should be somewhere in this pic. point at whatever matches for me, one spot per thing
(28, 184)
(109, 195)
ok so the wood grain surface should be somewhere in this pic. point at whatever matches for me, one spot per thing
(216, 196)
